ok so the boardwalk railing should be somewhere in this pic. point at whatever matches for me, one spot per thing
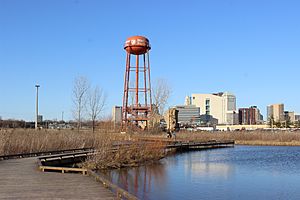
(121, 193)
(59, 154)
(43, 153)
(195, 145)
(44, 161)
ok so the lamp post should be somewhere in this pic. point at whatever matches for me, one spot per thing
(37, 106)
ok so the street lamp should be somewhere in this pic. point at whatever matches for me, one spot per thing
(37, 106)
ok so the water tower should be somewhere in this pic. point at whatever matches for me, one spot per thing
(137, 101)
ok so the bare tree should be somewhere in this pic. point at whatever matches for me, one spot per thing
(79, 97)
(96, 103)
(161, 94)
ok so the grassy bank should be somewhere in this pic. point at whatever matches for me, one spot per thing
(14, 141)
(125, 156)
(279, 138)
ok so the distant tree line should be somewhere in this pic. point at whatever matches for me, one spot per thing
(12, 123)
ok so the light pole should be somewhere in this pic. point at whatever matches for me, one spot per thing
(37, 106)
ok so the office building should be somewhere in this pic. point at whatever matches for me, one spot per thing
(221, 106)
(289, 116)
(188, 114)
(276, 111)
(250, 116)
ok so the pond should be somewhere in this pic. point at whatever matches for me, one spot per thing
(242, 172)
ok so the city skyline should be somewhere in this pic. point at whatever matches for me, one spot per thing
(248, 48)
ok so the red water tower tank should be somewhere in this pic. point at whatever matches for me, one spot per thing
(137, 100)
(137, 45)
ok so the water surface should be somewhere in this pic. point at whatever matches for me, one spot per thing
(242, 172)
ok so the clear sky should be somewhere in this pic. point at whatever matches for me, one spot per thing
(248, 47)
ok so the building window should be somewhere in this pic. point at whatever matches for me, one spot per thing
(207, 102)
(207, 106)
(231, 103)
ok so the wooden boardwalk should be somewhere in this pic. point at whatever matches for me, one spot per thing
(21, 179)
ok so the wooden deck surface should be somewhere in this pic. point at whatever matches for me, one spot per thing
(21, 179)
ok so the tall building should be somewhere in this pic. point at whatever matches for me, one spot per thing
(117, 114)
(221, 106)
(276, 111)
(188, 114)
(249, 116)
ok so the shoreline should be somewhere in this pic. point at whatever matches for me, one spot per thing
(267, 143)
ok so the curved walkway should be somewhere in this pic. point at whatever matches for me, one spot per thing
(21, 179)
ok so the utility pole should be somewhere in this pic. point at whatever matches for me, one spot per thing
(37, 106)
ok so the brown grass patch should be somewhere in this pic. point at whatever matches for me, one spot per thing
(14, 141)
(143, 148)
(246, 137)
(135, 154)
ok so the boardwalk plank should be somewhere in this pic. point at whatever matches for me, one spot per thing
(21, 179)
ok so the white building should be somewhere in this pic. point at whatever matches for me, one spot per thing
(221, 106)
(187, 101)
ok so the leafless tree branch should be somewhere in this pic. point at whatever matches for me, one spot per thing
(80, 88)
(96, 103)
(161, 94)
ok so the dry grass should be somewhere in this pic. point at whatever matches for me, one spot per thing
(279, 138)
(125, 156)
(13, 141)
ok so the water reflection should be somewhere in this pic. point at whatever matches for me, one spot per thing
(242, 172)
(205, 165)
(140, 179)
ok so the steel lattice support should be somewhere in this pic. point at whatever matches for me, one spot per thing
(137, 85)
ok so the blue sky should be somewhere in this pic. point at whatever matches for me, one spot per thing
(248, 47)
